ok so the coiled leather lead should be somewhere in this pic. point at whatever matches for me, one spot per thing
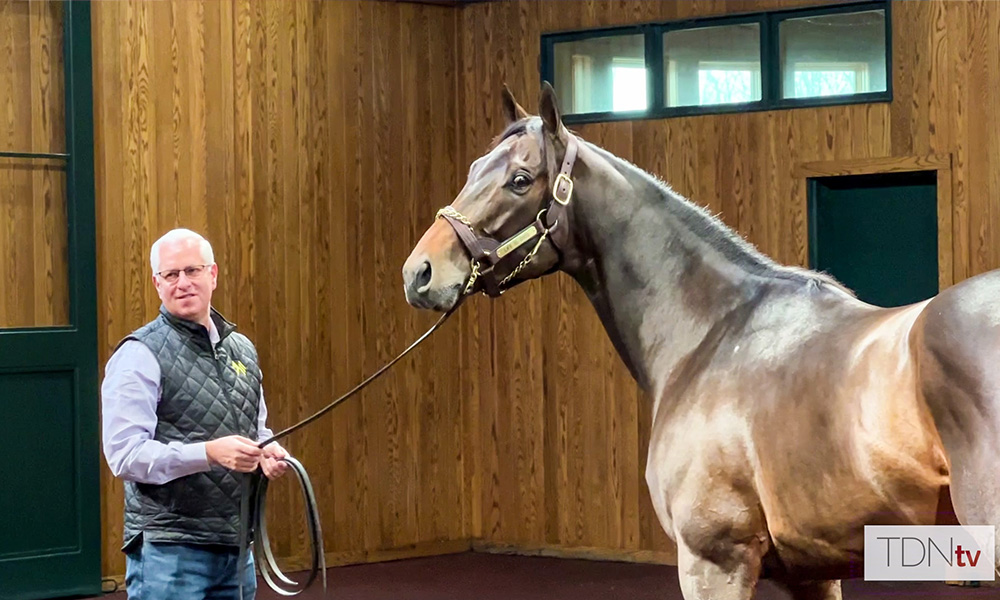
(253, 512)
(253, 498)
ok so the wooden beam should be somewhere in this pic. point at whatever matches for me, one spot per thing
(870, 166)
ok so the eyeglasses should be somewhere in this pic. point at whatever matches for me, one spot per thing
(192, 272)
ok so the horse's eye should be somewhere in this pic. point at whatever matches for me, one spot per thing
(520, 182)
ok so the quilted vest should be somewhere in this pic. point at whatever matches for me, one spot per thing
(205, 394)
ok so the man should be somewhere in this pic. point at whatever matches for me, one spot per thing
(182, 407)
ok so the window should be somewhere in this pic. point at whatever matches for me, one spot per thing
(728, 83)
(828, 79)
(628, 80)
(833, 55)
(712, 65)
(782, 59)
(601, 74)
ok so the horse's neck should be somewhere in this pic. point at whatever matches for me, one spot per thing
(657, 286)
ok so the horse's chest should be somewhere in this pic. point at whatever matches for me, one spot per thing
(696, 459)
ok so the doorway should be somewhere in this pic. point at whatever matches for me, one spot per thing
(877, 234)
(50, 512)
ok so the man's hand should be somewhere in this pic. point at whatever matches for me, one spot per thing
(271, 462)
(234, 452)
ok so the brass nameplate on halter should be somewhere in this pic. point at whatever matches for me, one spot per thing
(517, 241)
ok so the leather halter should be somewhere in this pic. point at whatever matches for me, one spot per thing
(493, 261)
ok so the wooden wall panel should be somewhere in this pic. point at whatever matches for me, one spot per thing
(34, 289)
(590, 443)
(311, 142)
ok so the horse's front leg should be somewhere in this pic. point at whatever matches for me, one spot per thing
(729, 574)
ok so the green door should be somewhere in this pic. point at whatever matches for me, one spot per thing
(877, 234)
(50, 533)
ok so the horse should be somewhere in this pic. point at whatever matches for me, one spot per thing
(787, 413)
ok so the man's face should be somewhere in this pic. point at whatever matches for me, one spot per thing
(187, 297)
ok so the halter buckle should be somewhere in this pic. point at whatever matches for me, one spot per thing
(562, 177)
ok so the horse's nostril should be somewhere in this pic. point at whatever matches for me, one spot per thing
(423, 278)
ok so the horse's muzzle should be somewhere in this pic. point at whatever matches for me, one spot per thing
(420, 288)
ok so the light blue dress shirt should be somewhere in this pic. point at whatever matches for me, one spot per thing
(129, 396)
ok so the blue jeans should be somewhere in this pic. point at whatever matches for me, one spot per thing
(162, 571)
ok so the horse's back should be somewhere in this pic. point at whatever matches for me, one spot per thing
(974, 302)
(958, 347)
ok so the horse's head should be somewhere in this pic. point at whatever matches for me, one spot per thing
(504, 226)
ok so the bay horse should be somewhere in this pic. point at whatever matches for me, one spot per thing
(788, 414)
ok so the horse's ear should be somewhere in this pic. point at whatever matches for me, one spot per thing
(512, 111)
(548, 109)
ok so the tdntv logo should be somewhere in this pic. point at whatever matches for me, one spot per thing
(929, 553)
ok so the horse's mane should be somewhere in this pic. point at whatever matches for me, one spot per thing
(720, 236)
(703, 223)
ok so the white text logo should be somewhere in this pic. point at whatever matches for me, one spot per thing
(929, 553)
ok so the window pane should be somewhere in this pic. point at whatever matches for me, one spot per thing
(833, 55)
(34, 255)
(712, 65)
(605, 74)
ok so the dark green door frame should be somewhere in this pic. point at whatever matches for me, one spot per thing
(59, 366)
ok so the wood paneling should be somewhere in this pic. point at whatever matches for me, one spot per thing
(311, 143)
(562, 428)
(34, 290)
